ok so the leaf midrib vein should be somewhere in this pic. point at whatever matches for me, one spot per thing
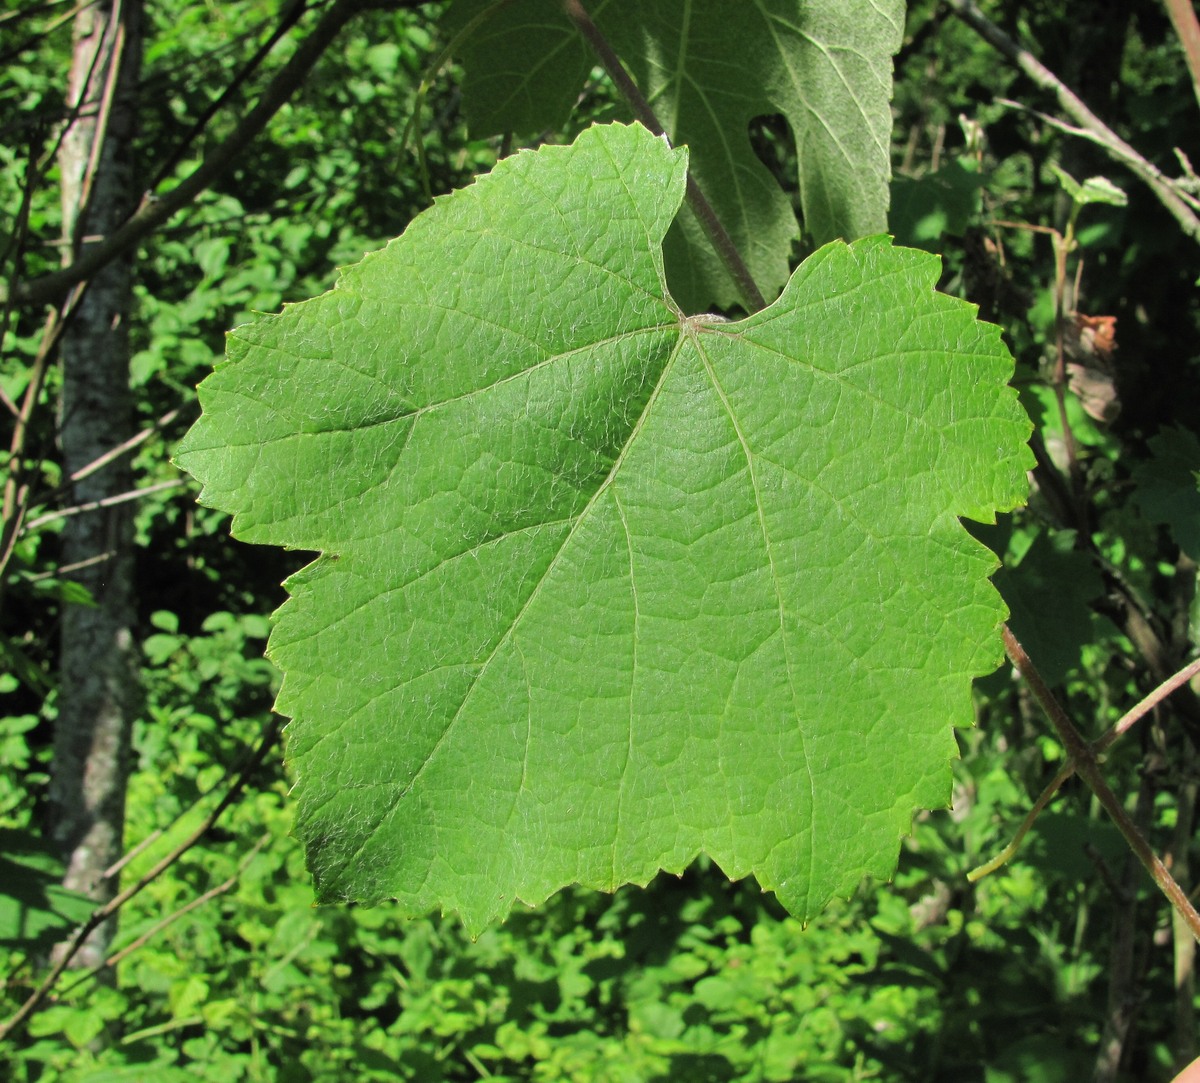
(770, 553)
(509, 632)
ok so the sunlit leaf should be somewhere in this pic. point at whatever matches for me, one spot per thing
(604, 586)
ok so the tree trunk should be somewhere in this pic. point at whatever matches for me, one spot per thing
(97, 697)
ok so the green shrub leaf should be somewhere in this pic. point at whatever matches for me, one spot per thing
(36, 911)
(602, 586)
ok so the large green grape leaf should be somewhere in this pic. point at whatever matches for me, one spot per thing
(708, 67)
(602, 586)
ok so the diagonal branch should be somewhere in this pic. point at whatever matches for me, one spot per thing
(174, 916)
(1090, 125)
(288, 19)
(1084, 758)
(1187, 27)
(21, 1016)
(154, 212)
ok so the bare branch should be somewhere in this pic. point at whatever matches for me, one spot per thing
(154, 212)
(106, 502)
(103, 913)
(1085, 763)
(129, 445)
(1160, 184)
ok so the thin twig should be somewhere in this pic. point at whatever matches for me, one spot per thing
(1164, 188)
(103, 913)
(1183, 18)
(113, 55)
(149, 840)
(1085, 764)
(61, 571)
(16, 488)
(126, 446)
(291, 15)
(171, 918)
(1126, 722)
(1179, 858)
(155, 211)
(1126, 965)
(14, 251)
(1184, 186)
(104, 502)
(14, 510)
(1039, 806)
(701, 208)
(1062, 245)
(423, 87)
(1131, 717)
(13, 53)
(170, 828)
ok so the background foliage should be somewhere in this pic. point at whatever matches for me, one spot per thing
(1015, 977)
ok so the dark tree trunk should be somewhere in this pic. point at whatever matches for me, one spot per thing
(97, 698)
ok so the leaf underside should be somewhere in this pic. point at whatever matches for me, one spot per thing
(602, 586)
(825, 66)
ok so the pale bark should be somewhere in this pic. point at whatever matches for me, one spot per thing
(98, 691)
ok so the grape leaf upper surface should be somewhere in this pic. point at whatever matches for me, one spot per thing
(603, 586)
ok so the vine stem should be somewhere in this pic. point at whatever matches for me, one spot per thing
(1127, 722)
(1084, 758)
(1009, 851)
(642, 110)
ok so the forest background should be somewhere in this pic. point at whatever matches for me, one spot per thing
(1063, 964)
